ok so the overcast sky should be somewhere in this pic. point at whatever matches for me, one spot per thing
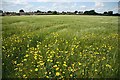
(59, 5)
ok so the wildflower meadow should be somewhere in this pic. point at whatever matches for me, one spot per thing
(65, 46)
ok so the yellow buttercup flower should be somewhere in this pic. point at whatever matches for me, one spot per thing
(51, 60)
(26, 55)
(95, 70)
(25, 60)
(48, 60)
(72, 49)
(15, 62)
(49, 72)
(57, 73)
(24, 75)
(66, 42)
(73, 65)
(79, 63)
(47, 76)
(27, 45)
(57, 68)
(75, 38)
(36, 69)
(107, 65)
(57, 49)
(35, 57)
(45, 72)
(31, 70)
(103, 58)
(71, 75)
(42, 63)
(64, 65)
(37, 46)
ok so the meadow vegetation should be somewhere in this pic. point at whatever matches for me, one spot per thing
(68, 46)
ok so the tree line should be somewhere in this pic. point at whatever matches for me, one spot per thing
(38, 12)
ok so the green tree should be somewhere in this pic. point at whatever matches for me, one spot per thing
(21, 10)
(54, 12)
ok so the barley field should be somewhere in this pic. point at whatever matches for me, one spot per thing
(60, 46)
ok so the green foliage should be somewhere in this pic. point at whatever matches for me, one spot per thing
(60, 46)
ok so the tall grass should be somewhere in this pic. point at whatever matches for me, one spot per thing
(60, 47)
